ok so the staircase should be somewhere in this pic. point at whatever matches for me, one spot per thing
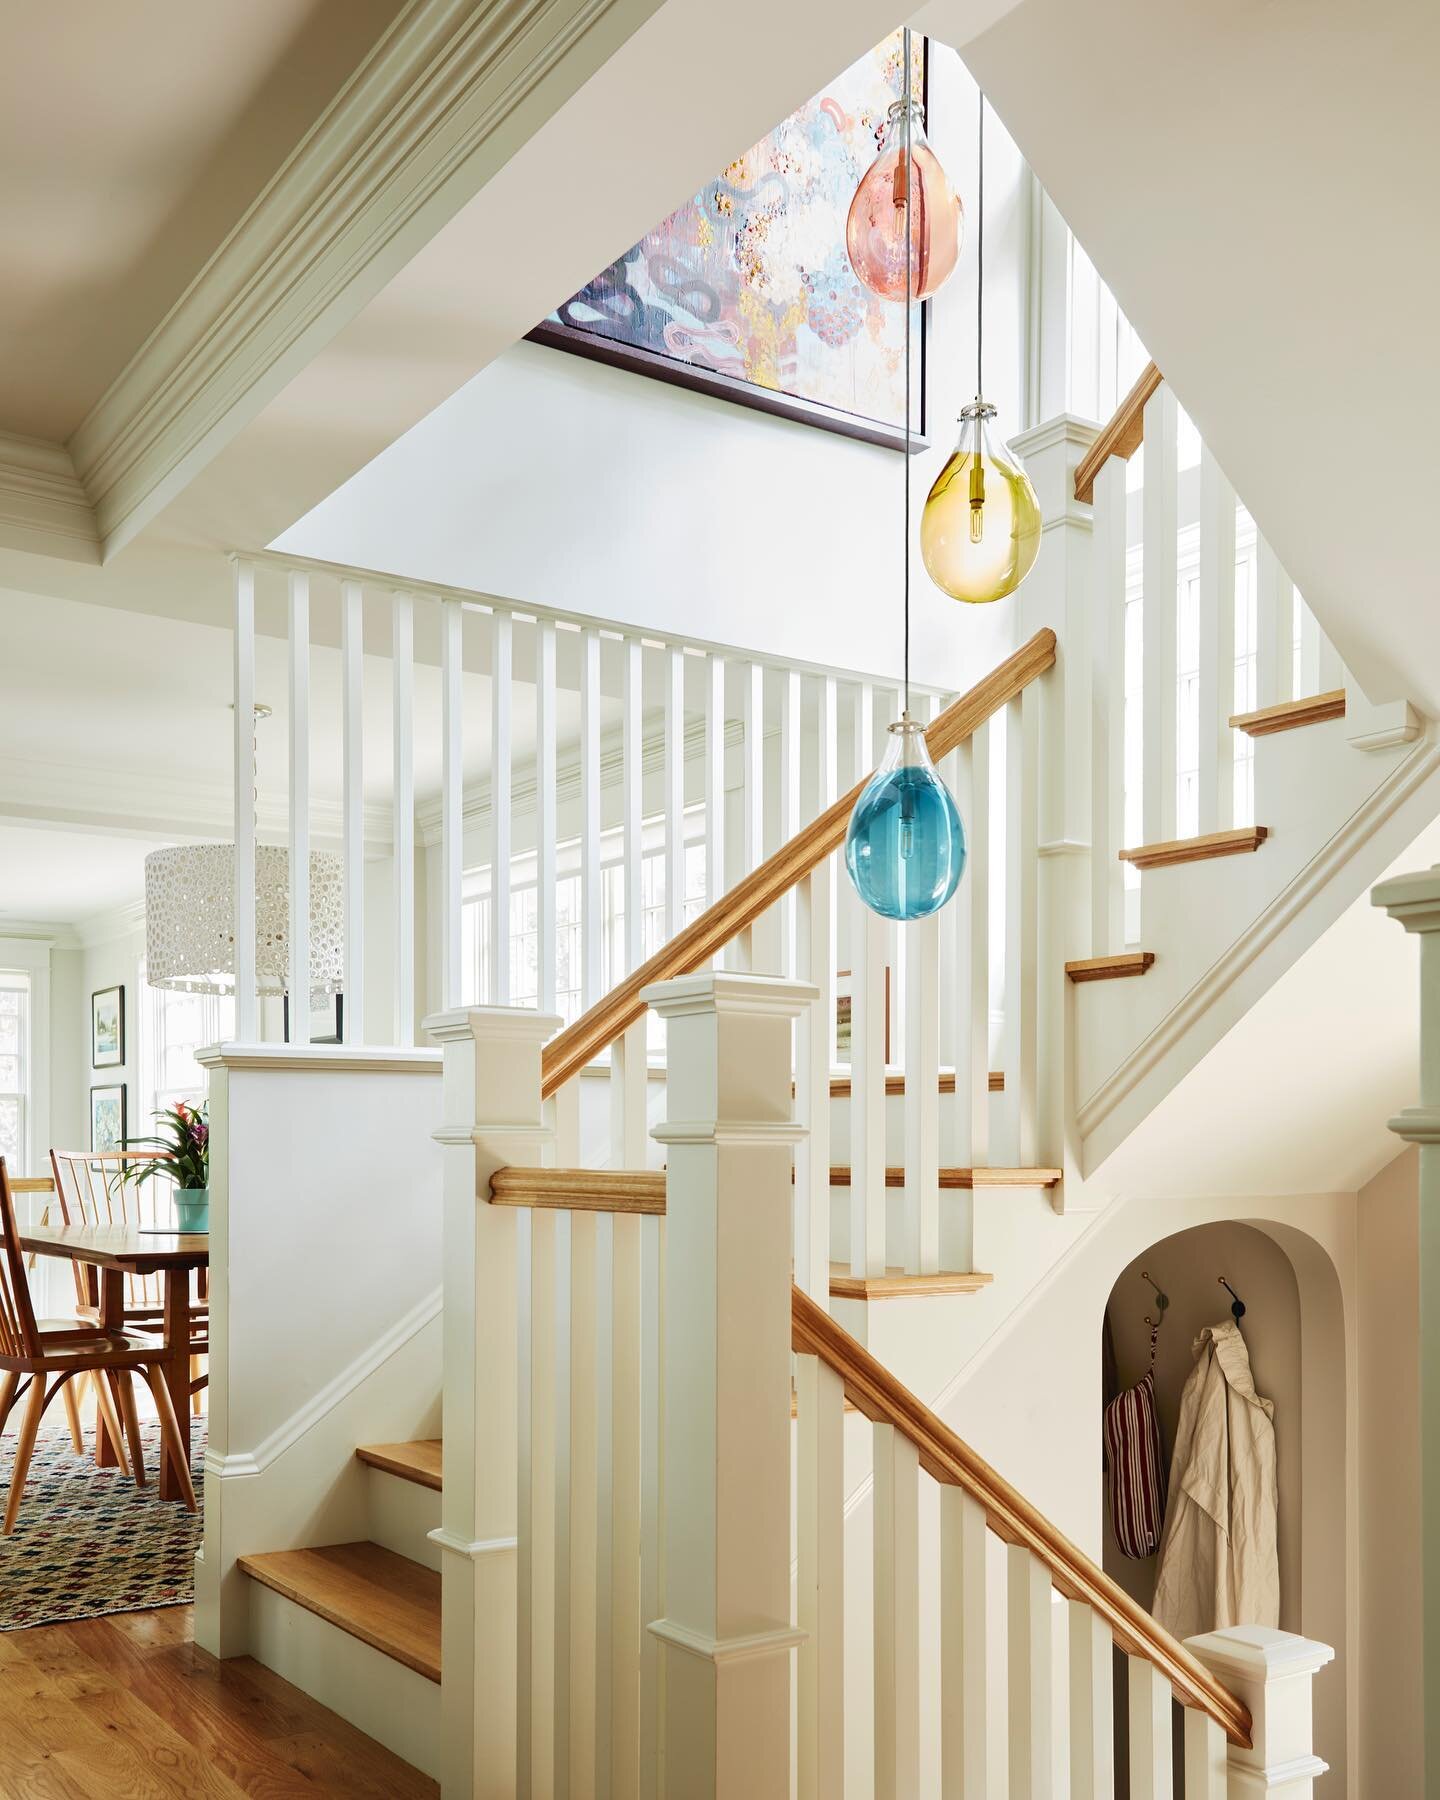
(1076, 980)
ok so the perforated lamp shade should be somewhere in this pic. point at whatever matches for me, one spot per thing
(190, 919)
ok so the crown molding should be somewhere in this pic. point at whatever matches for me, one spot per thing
(404, 145)
(39, 931)
(157, 805)
(475, 807)
(115, 922)
(43, 505)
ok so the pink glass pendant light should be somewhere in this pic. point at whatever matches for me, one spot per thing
(875, 232)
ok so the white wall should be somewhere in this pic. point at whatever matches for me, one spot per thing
(1391, 1535)
(551, 479)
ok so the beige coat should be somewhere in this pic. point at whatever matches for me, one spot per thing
(1218, 1563)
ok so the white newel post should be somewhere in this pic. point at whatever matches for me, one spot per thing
(1415, 901)
(726, 1635)
(1056, 594)
(492, 1118)
(1272, 1672)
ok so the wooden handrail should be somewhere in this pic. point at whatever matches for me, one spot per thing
(569, 1051)
(874, 1391)
(1122, 437)
(581, 1190)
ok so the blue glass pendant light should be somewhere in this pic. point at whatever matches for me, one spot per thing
(905, 845)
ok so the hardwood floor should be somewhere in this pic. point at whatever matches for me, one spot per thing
(126, 1708)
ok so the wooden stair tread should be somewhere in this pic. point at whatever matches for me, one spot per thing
(840, 1176)
(383, 1599)
(841, 1085)
(1110, 968)
(1315, 709)
(418, 1461)
(895, 1284)
(1196, 849)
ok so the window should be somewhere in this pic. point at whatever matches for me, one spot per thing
(173, 1027)
(14, 1070)
(524, 935)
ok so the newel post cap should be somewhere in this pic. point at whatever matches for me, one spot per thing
(1259, 1653)
(724, 991)
(1412, 899)
(517, 1024)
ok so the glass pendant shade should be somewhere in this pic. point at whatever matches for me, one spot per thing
(980, 530)
(905, 846)
(875, 228)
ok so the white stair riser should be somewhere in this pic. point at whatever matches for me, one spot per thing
(401, 1516)
(378, 1695)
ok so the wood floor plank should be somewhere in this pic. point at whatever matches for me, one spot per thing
(127, 1708)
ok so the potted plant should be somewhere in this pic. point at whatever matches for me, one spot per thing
(182, 1154)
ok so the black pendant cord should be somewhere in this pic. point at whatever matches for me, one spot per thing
(980, 263)
(909, 252)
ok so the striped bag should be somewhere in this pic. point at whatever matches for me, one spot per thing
(1136, 1460)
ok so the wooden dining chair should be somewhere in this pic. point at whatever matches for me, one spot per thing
(43, 1357)
(92, 1190)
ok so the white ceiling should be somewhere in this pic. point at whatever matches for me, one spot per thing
(64, 877)
(132, 138)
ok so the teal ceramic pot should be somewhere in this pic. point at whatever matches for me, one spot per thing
(192, 1209)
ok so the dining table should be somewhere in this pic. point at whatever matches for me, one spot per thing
(120, 1250)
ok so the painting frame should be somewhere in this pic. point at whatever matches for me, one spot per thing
(107, 1027)
(108, 1096)
(618, 353)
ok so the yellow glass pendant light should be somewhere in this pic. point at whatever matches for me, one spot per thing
(980, 530)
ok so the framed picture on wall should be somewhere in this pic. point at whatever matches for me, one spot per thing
(108, 1123)
(107, 1028)
(747, 293)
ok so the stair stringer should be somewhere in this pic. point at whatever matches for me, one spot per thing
(1224, 931)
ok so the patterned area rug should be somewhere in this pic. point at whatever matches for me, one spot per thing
(88, 1541)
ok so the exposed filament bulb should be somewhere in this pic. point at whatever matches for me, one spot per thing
(977, 499)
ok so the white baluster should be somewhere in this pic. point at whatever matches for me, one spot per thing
(1150, 1773)
(1205, 1758)
(868, 1011)
(402, 654)
(972, 976)
(897, 1615)
(564, 1510)
(759, 936)
(1158, 527)
(820, 1587)
(299, 976)
(652, 1499)
(452, 802)
(604, 1666)
(629, 1059)
(791, 719)
(1031, 1707)
(1107, 762)
(1310, 636)
(715, 882)
(352, 680)
(964, 1720)
(1021, 1024)
(1217, 646)
(674, 789)
(922, 1096)
(545, 826)
(1329, 670)
(1275, 624)
(502, 654)
(584, 1497)
(536, 1712)
(814, 1036)
(591, 905)
(1092, 1706)
(246, 1010)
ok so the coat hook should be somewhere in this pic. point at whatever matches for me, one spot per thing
(1161, 1300)
(1238, 1306)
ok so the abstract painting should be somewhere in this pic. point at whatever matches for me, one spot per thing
(747, 291)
